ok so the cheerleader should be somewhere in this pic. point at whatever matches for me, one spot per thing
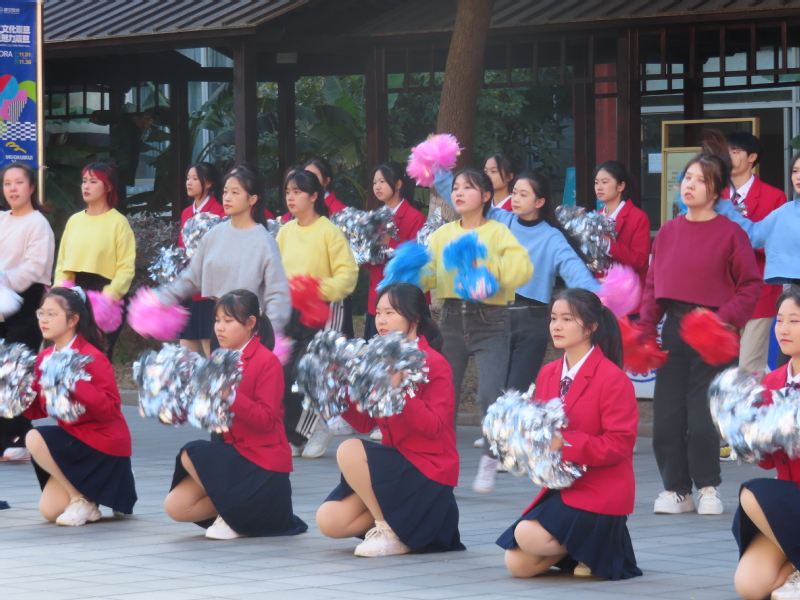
(767, 523)
(398, 495)
(240, 487)
(501, 170)
(84, 463)
(583, 527)
(247, 166)
(477, 328)
(202, 183)
(27, 246)
(311, 245)
(98, 250)
(700, 259)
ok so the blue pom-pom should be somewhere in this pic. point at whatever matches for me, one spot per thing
(475, 285)
(472, 283)
(463, 252)
(406, 265)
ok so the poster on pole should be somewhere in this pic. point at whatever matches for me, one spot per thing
(19, 138)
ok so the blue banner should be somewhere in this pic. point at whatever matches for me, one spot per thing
(18, 134)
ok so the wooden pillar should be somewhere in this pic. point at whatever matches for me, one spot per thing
(376, 105)
(287, 129)
(245, 128)
(585, 162)
(629, 104)
(180, 153)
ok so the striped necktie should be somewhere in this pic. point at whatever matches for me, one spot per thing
(564, 387)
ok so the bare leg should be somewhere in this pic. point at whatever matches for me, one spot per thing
(753, 509)
(538, 550)
(41, 454)
(352, 461)
(344, 518)
(189, 502)
(54, 500)
(193, 345)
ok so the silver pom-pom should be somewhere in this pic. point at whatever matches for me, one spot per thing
(432, 224)
(212, 377)
(16, 379)
(162, 379)
(274, 227)
(590, 230)
(371, 374)
(520, 432)
(322, 373)
(196, 227)
(365, 231)
(167, 264)
(61, 372)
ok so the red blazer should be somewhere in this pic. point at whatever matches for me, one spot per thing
(268, 214)
(211, 206)
(423, 432)
(761, 200)
(632, 246)
(788, 469)
(257, 430)
(603, 421)
(506, 205)
(102, 426)
(409, 221)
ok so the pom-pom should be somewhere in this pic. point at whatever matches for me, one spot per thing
(65, 283)
(374, 385)
(710, 338)
(107, 311)
(196, 227)
(16, 379)
(366, 232)
(314, 311)
(61, 372)
(10, 301)
(274, 227)
(641, 352)
(433, 223)
(283, 348)
(471, 282)
(211, 379)
(520, 433)
(590, 230)
(406, 265)
(438, 153)
(621, 290)
(150, 317)
(162, 379)
(167, 264)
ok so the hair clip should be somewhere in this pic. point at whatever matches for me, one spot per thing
(79, 290)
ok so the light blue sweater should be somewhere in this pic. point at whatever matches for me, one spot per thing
(547, 247)
(778, 234)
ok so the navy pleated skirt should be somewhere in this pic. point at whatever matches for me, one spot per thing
(253, 501)
(601, 542)
(201, 320)
(780, 501)
(102, 478)
(422, 512)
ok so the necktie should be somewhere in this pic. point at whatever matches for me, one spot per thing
(564, 387)
(738, 203)
(791, 386)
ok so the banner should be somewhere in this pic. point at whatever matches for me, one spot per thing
(18, 82)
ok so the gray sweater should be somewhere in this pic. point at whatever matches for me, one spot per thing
(228, 259)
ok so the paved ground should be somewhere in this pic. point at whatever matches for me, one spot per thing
(148, 557)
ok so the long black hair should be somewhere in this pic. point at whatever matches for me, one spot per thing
(409, 301)
(307, 182)
(253, 186)
(324, 167)
(393, 172)
(73, 304)
(505, 166)
(586, 307)
(208, 174)
(480, 181)
(620, 174)
(240, 305)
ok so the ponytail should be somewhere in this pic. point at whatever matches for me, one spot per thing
(240, 305)
(587, 308)
(75, 303)
(620, 174)
(251, 181)
(409, 301)
(393, 172)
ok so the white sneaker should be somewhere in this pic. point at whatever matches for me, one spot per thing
(220, 530)
(709, 502)
(581, 570)
(376, 435)
(318, 442)
(487, 473)
(478, 443)
(15, 454)
(340, 427)
(672, 503)
(381, 541)
(789, 590)
(79, 511)
(296, 450)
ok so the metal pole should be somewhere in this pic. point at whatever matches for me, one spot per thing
(40, 95)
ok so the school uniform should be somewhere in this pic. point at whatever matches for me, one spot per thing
(94, 451)
(778, 498)
(247, 476)
(505, 204)
(415, 468)
(590, 516)
(632, 245)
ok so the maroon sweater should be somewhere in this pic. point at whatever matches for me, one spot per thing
(708, 263)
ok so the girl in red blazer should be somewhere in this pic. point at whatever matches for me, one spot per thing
(393, 187)
(86, 462)
(583, 527)
(399, 495)
(240, 486)
(203, 187)
(503, 172)
(767, 522)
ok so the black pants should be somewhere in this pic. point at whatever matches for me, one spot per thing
(685, 440)
(21, 328)
(528, 333)
(292, 402)
(370, 329)
(96, 283)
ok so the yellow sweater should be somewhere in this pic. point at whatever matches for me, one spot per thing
(507, 260)
(319, 250)
(103, 245)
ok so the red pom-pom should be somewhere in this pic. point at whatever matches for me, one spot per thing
(314, 311)
(713, 341)
(641, 352)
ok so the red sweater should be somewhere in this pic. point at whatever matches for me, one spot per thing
(788, 469)
(102, 426)
(708, 263)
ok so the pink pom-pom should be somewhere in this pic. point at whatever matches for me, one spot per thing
(65, 283)
(149, 317)
(438, 153)
(283, 348)
(107, 311)
(621, 290)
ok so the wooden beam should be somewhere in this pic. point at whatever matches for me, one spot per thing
(287, 133)
(180, 153)
(629, 103)
(376, 105)
(245, 128)
(584, 126)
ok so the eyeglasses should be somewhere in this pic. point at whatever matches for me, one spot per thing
(46, 316)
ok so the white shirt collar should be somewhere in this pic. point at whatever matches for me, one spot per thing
(246, 345)
(613, 216)
(196, 209)
(72, 341)
(399, 204)
(791, 378)
(742, 191)
(325, 197)
(505, 201)
(571, 373)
